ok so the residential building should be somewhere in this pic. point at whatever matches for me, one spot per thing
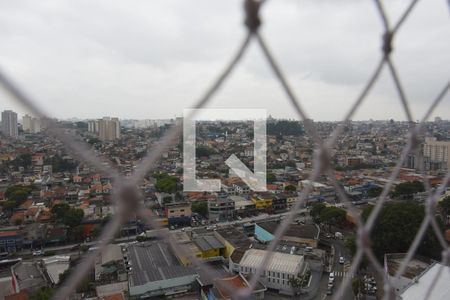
(209, 246)
(9, 123)
(109, 129)
(93, 126)
(430, 284)
(27, 276)
(279, 203)
(263, 201)
(10, 241)
(31, 124)
(414, 270)
(109, 266)
(54, 266)
(241, 188)
(221, 208)
(436, 154)
(178, 213)
(307, 235)
(243, 207)
(214, 289)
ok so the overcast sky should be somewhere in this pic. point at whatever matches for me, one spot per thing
(150, 59)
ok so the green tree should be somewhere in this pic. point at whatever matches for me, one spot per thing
(22, 160)
(141, 238)
(70, 217)
(204, 151)
(96, 230)
(18, 193)
(200, 207)
(284, 128)
(59, 210)
(166, 183)
(445, 208)
(290, 188)
(59, 164)
(44, 293)
(374, 192)
(316, 210)
(9, 205)
(167, 199)
(350, 244)
(333, 216)
(271, 177)
(396, 227)
(76, 234)
(357, 285)
(408, 189)
(73, 217)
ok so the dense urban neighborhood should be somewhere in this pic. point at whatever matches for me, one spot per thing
(54, 207)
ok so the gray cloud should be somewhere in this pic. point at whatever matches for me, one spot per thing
(151, 59)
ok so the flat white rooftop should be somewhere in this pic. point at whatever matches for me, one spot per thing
(440, 290)
(279, 262)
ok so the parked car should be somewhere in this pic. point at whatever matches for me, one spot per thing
(38, 253)
(330, 291)
(331, 276)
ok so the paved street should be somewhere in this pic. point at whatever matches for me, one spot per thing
(340, 271)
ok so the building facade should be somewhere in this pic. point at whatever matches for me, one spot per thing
(9, 123)
(436, 154)
(108, 129)
(278, 272)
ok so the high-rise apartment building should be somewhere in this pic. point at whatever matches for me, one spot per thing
(436, 154)
(31, 124)
(9, 123)
(108, 129)
(93, 126)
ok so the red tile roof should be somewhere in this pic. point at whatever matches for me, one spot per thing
(118, 296)
(23, 295)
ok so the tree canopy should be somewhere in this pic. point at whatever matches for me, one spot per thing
(407, 189)
(201, 151)
(200, 207)
(333, 216)
(44, 293)
(66, 215)
(316, 210)
(166, 183)
(60, 164)
(396, 227)
(290, 188)
(285, 127)
(374, 192)
(16, 195)
(445, 208)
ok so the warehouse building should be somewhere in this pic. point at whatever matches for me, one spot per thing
(155, 271)
(277, 273)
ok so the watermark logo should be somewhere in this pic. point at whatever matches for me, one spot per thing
(256, 180)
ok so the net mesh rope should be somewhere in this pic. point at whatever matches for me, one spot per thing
(127, 197)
